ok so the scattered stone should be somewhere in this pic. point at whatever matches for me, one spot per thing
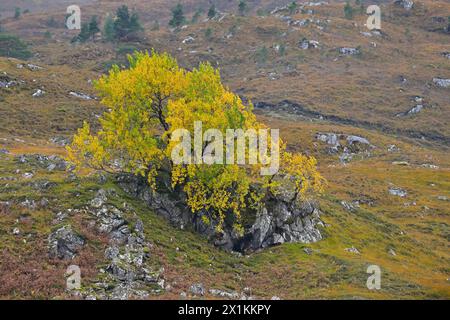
(29, 66)
(400, 163)
(81, 95)
(442, 198)
(275, 298)
(348, 206)
(331, 139)
(29, 204)
(38, 93)
(446, 54)
(392, 252)
(349, 51)
(308, 44)
(430, 166)
(224, 294)
(99, 199)
(405, 4)
(355, 140)
(393, 148)
(60, 141)
(308, 251)
(440, 82)
(395, 191)
(64, 243)
(197, 289)
(4, 151)
(352, 250)
(28, 175)
(188, 40)
(16, 231)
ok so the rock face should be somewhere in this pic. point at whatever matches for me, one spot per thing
(64, 243)
(127, 274)
(276, 222)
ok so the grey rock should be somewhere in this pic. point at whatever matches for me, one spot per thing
(405, 4)
(440, 82)
(277, 221)
(352, 250)
(349, 51)
(38, 93)
(99, 199)
(81, 95)
(197, 289)
(224, 294)
(64, 243)
(395, 191)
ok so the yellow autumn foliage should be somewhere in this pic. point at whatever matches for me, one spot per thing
(149, 101)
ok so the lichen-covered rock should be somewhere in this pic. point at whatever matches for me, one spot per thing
(64, 243)
(277, 221)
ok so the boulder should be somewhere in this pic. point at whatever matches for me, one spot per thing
(197, 289)
(64, 243)
(441, 82)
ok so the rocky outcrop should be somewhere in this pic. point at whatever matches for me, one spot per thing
(127, 274)
(277, 220)
(50, 163)
(348, 145)
(64, 243)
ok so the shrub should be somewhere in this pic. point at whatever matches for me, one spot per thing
(178, 18)
(125, 25)
(348, 11)
(12, 46)
(242, 7)
(212, 12)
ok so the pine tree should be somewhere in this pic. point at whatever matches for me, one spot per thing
(348, 11)
(293, 6)
(108, 29)
(12, 46)
(93, 27)
(84, 34)
(212, 12)
(125, 24)
(177, 16)
(242, 7)
(196, 16)
(17, 13)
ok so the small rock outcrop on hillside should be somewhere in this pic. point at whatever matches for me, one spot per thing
(277, 220)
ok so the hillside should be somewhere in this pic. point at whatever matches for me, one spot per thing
(386, 202)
